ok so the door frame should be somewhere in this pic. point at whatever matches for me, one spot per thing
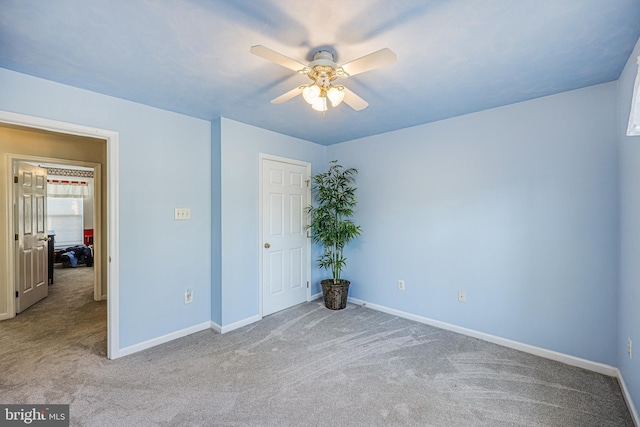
(111, 138)
(97, 206)
(261, 158)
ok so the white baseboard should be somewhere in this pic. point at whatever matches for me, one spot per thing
(236, 325)
(628, 400)
(538, 351)
(163, 339)
(249, 320)
(216, 327)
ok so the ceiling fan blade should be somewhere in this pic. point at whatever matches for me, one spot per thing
(278, 58)
(354, 101)
(287, 96)
(370, 62)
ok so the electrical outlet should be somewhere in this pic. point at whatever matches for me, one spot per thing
(188, 296)
(401, 285)
(182, 213)
(462, 297)
(630, 349)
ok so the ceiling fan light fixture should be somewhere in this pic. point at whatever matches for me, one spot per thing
(335, 95)
(323, 71)
(311, 93)
(320, 104)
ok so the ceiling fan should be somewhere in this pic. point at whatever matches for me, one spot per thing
(323, 71)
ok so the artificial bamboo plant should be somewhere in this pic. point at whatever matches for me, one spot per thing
(331, 225)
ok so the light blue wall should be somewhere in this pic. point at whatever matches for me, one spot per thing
(241, 145)
(164, 163)
(216, 223)
(516, 206)
(629, 316)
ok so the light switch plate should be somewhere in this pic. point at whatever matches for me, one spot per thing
(182, 213)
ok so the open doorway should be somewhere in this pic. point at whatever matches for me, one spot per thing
(72, 214)
(63, 187)
(56, 283)
(64, 144)
(71, 219)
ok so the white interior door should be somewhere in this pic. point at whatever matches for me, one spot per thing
(285, 256)
(32, 241)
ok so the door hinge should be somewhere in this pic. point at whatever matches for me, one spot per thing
(15, 179)
(307, 181)
(17, 294)
(16, 237)
(308, 234)
(307, 284)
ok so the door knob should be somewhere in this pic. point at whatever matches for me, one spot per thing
(46, 239)
(267, 246)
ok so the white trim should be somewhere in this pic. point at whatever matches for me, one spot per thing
(97, 222)
(10, 246)
(113, 324)
(113, 248)
(236, 325)
(307, 165)
(213, 325)
(600, 368)
(260, 242)
(316, 296)
(164, 339)
(628, 400)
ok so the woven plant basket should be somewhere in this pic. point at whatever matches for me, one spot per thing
(335, 295)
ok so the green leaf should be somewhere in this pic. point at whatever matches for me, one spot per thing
(331, 225)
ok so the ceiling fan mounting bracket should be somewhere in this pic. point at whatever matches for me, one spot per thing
(324, 55)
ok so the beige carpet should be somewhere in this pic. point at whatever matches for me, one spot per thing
(305, 366)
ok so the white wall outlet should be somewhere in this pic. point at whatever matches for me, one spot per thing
(188, 296)
(401, 285)
(630, 349)
(462, 297)
(182, 213)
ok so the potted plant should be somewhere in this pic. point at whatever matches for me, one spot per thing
(331, 226)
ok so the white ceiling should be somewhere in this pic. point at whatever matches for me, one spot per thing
(192, 56)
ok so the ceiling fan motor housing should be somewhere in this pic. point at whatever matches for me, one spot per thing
(323, 70)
